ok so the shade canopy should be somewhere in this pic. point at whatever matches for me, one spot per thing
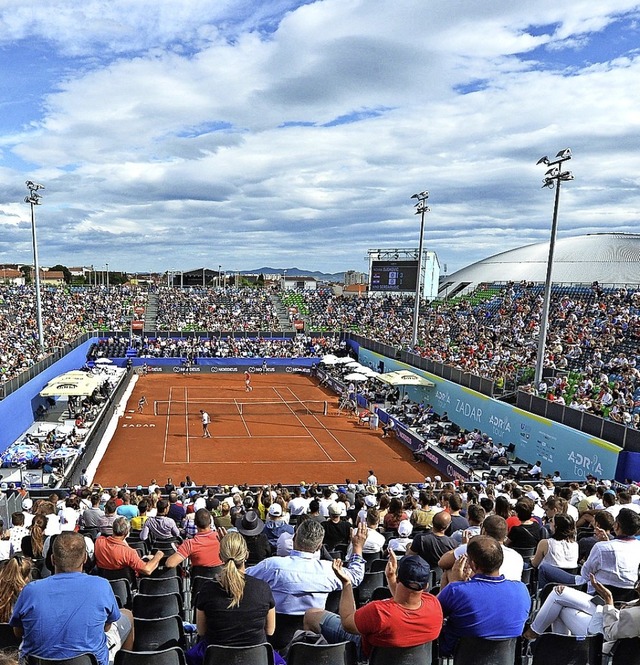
(405, 378)
(71, 384)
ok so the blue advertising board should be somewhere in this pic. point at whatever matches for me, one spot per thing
(574, 454)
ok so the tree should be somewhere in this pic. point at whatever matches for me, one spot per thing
(26, 271)
(67, 273)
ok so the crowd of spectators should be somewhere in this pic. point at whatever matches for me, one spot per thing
(278, 555)
(66, 313)
(593, 337)
(216, 309)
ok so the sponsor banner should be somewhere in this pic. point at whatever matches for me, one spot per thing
(225, 365)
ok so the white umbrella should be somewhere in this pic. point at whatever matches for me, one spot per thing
(330, 360)
(71, 383)
(405, 378)
(344, 361)
(368, 371)
(104, 361)
(355, 376)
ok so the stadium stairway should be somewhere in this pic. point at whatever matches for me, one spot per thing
(151, 313)
(282, 312)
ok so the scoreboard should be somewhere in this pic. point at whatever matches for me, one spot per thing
(394, 276)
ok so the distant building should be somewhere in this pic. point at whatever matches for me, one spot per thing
(302, 283)
(11, 276)
(355, 277)
(52, 277)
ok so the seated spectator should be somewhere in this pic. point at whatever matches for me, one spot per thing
(602, 522)
(176, 510)
(235, 609)
(412, 617)
(558, 552)
(476, 515)
(17, 531)
(160, 527)
(275, 524)
(90, 517)
(49, 620)
(528, 533)
(15, 574)
(568, 611)
(137, 522)
(479, 601)
(395, 515)
(404, 540)
(252, 528)
(127, 509)
(374, 541)
(422, 517)
(336, 530)
(433, 544)
(33, 543)
(201, 550)
(301, 580)
(114, 553)
(105, 523)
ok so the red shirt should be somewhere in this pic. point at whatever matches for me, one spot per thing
(114, 554)
(203, 549)
(384, 623)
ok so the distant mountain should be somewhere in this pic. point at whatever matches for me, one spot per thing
(298, 272)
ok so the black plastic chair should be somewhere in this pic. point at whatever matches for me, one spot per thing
(626, 651)
(262, 654)
(162, 571)
(173, 656)
(525, 552)
(567, 650)
(381, 593)
(378, 565)
(370, 582)
(196, 585)
(159, 586)
(332, 604)
(286, 626)
(621, 595)
(204, 571)
(82, 659)
(342, 653)
(370, 557)
(419, 655)
(157, 607)
(481, 651)
(122, 591)
(158, 634)
(8, 639)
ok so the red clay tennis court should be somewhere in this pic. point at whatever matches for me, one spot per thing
(287, 429)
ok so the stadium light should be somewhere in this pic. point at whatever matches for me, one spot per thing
(106, 277)
(554, 176)
(33, 199)
(421, 208)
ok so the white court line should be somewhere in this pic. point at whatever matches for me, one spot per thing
(244, 422)
(289, 461)
(329, 432)
(186, 421)
(166, 429)
(306, 428)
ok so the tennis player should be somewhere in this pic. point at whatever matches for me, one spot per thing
(142, 403)
(205, 424)
(247, 382)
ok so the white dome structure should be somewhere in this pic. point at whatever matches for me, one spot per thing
(608, 258)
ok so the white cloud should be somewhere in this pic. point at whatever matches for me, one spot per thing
(179, 152)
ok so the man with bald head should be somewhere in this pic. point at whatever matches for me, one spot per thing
(433, 544)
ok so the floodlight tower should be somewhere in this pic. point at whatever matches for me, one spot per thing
(421, 208)
(33, 199)
(554, 177)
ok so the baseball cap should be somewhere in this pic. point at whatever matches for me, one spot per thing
(27, 503)
(275, 510)
(414, 572)
(334, 509)
(405, 528)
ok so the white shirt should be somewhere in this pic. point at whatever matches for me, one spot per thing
(205, 418)
(512, 563)
(372, 480)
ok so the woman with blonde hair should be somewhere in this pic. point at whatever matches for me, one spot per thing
(15, 574)
(234, 609)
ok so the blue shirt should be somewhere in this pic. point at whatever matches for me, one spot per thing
(64, 616)
(301, 581)
(490, 607)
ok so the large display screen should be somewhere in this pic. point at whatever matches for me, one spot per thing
(394, 275)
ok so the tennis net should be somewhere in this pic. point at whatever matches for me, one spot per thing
(183, 408)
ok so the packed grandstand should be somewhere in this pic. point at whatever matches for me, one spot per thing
(175, 553)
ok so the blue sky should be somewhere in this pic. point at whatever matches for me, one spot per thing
(236, 133)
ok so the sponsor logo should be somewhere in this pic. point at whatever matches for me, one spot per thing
(138, 425)
(452, 472)
(584, 465)
(473, 412)
(443, 397)
(302, 370)
(500, 425)
(215, 369)
(185, 370)
(153, 369)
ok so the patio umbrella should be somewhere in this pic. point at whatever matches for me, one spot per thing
(355, 376)
(71, 384)
(405, 378)
(21, 455)
(63, 452)
(104, 361)
(329, 359)
(344, 361)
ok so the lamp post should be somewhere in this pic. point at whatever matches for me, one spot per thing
(106, 277)
(421, 208)
(219, 275)
(552, 178)
(33, 199)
